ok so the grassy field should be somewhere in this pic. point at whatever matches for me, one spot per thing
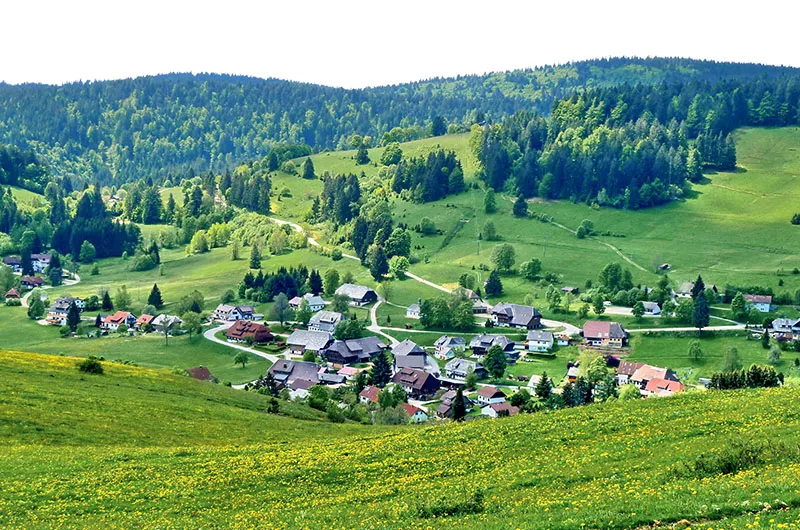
(168, 452)
(733, 228)
(673, 352)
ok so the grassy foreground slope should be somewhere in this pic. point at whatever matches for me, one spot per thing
(204, 457)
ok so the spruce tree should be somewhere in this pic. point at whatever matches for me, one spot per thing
(379, 266)
(701, 313)
(490, 202)
(494, 287)
(459, 410)
(381, 372)
(315, 282)
(544, 387)
(107, 304)
(155, 299)
(255, 258)
(308, 169)
(520, 207)
(73, 316)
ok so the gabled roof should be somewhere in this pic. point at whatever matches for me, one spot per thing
(487, 341)
(12, 260)
(242, 329)
(145, 319)
(411, 410)
(462, 365)
(42, 257)
(758, 298)
(12, 293)
(370, 393)
(663, 386)
(407, 347)
(784, 324)
(413, 308)
(120, 317)
(326, 317)
(449, 342)
(416, 379)
(362, 349)
(34, 280)
(603, 330)
(310, 340)
(301, 384)
(650, 306)
(505, 405)
(200, 372)
(353, 291)
(286, 371)
(540, 336)
(648, 373)
(628, 367)
(490, 392)
(518, 315)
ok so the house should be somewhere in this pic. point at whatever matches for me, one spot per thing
(56, 318)
(113, 322)
(478, 305)
(760, 302)
(413, 311)
(534, 381)
(489, 394)
(352, 351)
(539, 341)
(301, 341)
(40, 262)
(572, 373)
(445, 408)
(144, 320)
(164, 320)
(285, 372)
(516, 316)
(246, 330)
(685, 289)
(12, 293)
(625, 370)
(496, 410)
(646, 373)
(569, 290)
(63, 303)
(445, 347)
(358, 294)
(459, 368)
(481, 344)
(57, 314)
(315, 302)
(325, 321)
(562, 339)
(418, 384)
(651, 308)
(299, 388)
(786, 328)
(201, 373)
(662, 387)
(408, 355)
(31, 282)
(15, 262)
(415, 414)
(369, 395)
(604, 334)
(227, 312)
(349, 372)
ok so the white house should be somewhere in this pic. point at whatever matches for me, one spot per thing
(444, 347)
(227, 312)
(315, 302)
(415, 414)
(325, 321)
(412, 311)
(499, 409)
(539, 341)
(488, 395)
(760, 302)
(40, 262)
(563, 339)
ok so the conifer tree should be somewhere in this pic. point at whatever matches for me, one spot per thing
(73, 316)
(381, 372)
(155, 297)
(459, 410)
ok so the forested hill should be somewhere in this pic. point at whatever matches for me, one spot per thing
(116, 131)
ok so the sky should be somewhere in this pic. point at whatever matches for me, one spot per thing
(354, 43)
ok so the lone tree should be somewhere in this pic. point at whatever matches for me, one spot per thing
(308, 169)
(695, 351)
(520, 207)
(241, 358)
(36, 309)
(73, 316)
(281, 311)
(638, 311)
(504, 257)
(255, 258)
(192, 324)
(494, 287)
(381, 372)
(459, 409)
(490, 202)
(701, 312)
(155, 297)
(495, 361)
(765, 340)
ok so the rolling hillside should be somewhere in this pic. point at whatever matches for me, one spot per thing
(168, 452)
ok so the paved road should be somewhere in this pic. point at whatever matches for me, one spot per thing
(209, 334)
(688, 328)
(74, 281)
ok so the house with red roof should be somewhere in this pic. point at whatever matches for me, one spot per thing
(12, 293)
(662, 387)
(762, 302)
(415, 414)
(143, 321)
(113, 322)
(245, 330)
(369, 395)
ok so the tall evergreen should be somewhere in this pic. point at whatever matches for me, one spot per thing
(107, 304)
(73, 316)
(459, 409)
(155, 297)
(255, 257)
(381, 372)
(308, 169)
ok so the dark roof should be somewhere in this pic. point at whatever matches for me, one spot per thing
(200, 372)
(286, 371)
(518, 315)
(540, 336)
(355, 292)
(241, 329)
(407, 347)
(310, 340)
(487, 341)
(490, 392)
(12, 260)
(449, 342)
(326, 317)
(353, 350)
(416, 379)
(603, 330)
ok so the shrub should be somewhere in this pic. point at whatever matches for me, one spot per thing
(91, 365)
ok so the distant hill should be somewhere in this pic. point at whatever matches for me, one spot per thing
(140, 449)
(160, 126)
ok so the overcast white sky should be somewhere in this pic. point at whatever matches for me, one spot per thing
(354, 43)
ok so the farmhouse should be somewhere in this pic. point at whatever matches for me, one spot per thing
(685, 289)
(539, 341)
(625, 370)
(245, 330)
(113, 322)
(418, 384)
(164, 320)
(358, 294)
(369, 395)
(143, 321)
(408, 355)
(445, 347)
(413, 311)
(233, 313)
(40, 262)
(325, 321)
(286, 372)
(445, 408)
(31, 282)
(299, 388)
(661, 387)
(63, 303)
(315, 302)
(786, 328)
(651, 308)
(481, 344)
(15, 262)
(604, 334)
(761, 302)
(415, 414)
(301, 341)
(496, 410)
(489, 394)
(478, 305)
(459, 369)
(353, 351)
(12, 293)
(516, 316)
